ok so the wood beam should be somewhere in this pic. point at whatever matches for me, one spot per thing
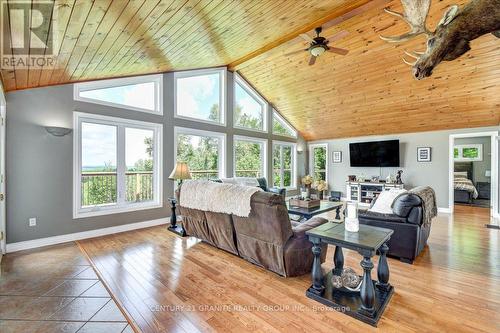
(335, 17)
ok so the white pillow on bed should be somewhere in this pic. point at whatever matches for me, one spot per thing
(383, 204)
(460, 174)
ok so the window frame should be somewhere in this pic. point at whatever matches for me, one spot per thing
(286, 123)
(197, 132)
(293, 176)
(157, 79)
(261, 141)
(121, 205)
(311, 158)
(253, 93)
(222, 93)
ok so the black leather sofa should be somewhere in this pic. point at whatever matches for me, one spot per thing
(410, 233)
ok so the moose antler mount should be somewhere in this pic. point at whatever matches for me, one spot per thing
(452, 35)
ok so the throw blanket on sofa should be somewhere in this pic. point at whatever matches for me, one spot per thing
(429, 205)
(216, 197)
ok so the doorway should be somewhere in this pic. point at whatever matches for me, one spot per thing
(473, 171)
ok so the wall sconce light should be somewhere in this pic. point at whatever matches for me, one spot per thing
(300, 150)
(58, 131)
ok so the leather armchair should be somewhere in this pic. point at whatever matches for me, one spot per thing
(277, 190)
(410, 234)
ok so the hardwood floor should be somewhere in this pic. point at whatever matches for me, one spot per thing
(171, 284)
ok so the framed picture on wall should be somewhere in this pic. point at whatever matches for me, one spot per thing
(337, 157)
(468, 153)
(423, 154)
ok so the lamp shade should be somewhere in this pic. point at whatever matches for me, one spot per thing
(180, 172)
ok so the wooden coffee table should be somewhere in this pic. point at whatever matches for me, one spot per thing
(369, 303)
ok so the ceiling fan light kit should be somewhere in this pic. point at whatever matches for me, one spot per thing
(317, 50)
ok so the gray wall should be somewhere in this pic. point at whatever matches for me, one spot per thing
(479, 167)
(434, 173)
(39, 165)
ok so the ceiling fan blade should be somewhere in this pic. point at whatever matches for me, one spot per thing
(338, 50)
(337, 36)
(307, 37)
(312, 60)
(294, 52)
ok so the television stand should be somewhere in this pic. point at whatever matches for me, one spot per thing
(365, 192)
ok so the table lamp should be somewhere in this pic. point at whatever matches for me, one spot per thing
(180, 172)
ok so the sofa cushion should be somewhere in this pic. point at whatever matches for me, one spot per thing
(384, 201)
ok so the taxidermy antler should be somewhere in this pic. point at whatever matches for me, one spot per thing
(452, 35)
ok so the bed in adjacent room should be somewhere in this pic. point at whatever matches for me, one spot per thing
(464, 189)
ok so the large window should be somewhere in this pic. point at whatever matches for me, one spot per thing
(249, 157)
(200, 95)
(284, 164)
(141, 93)
(203, 151)
(250, 110)
(281, 127)
(319, 160)
(117, 165)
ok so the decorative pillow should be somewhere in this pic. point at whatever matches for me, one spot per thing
(460, 174)
(383, 204)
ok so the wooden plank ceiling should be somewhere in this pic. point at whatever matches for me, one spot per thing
(105, 38)
(369, 91)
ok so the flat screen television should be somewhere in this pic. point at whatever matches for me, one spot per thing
(375, 154)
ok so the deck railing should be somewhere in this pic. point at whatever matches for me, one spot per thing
(100, 187)
(248, 173)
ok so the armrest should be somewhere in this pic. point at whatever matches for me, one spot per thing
(300, 229)
(403, 205)
(373, 216)
(277, 190)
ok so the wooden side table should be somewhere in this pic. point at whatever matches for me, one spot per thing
(369, 303)
(174, 227)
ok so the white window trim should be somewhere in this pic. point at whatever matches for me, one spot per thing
(222, 94)
(262, 142)
(286, 123)
(121, 206)
(91, 85)
(222, 145)
(294, 163)
(253, 93)
(311, 158)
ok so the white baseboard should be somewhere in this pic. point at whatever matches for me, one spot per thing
(444, 210)
(31, 244)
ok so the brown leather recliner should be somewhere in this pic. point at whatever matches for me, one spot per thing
(266, 237)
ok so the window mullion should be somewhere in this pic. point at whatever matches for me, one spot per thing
(282, 172)
(121, 166)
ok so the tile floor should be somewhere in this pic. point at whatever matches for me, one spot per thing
(54, 289)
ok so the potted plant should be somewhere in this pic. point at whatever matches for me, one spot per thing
(320, 185)
(307, 181)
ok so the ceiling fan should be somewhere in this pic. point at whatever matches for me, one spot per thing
(319, 45)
